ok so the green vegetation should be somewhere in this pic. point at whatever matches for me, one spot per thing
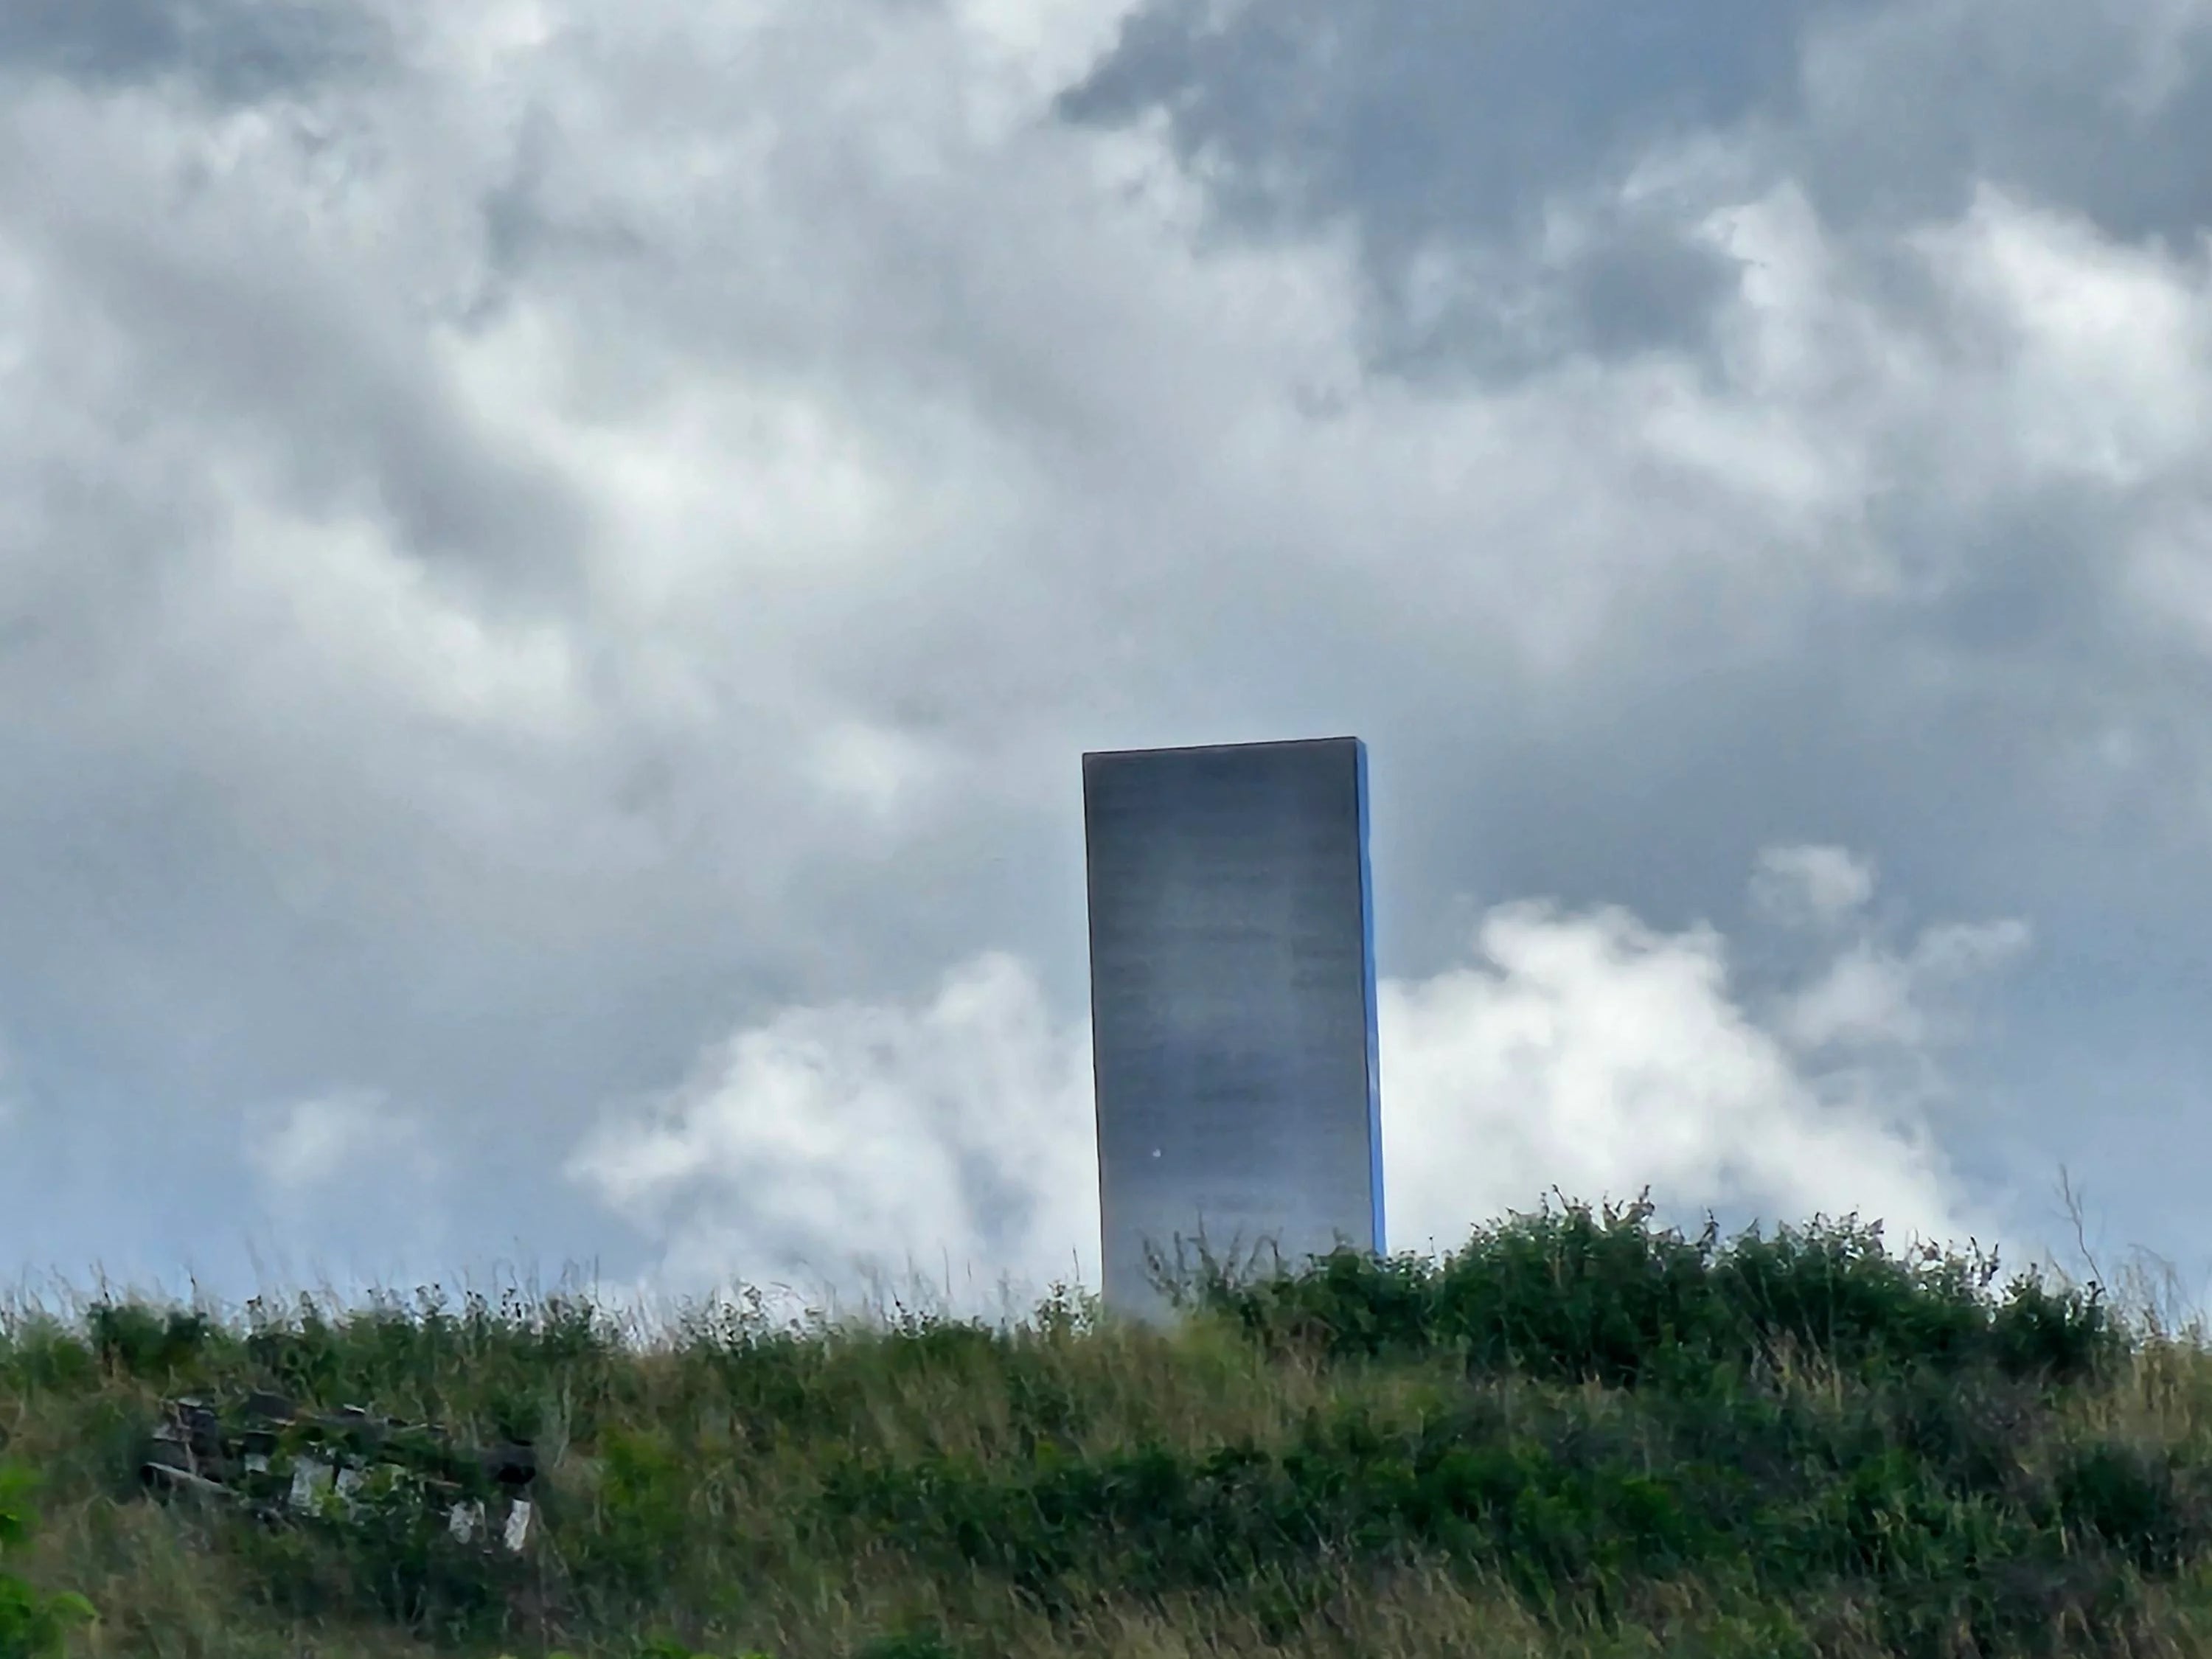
(1579, 1435)
(32, 1626)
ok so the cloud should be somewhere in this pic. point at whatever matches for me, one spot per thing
(1581, 1050)
(234, 52)
(1869, 996)
(828, 1144)
(11, 1085)
(2090, 110)
(354, 1192)
(1590, 1052)
(352, 1135)
(1527, 180)
(1502, 141)
(615, 524)
(1796, 885)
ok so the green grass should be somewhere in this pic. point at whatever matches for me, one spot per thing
(1579, 1435)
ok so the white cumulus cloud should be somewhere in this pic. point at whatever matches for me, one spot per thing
(832, 1144)
(350, 1180)
(1817, 884)
(953, 1139)
(313, 1142)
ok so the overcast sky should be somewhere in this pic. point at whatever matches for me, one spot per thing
(561, 556)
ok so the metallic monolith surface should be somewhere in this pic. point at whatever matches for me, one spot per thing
(1232, 1003)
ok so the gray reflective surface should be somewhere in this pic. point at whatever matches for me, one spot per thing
(1232, 997)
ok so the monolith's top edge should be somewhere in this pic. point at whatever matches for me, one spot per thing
(1203, 748)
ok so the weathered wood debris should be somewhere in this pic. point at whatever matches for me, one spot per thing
(284, 1464)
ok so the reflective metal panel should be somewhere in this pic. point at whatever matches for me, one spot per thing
(1232, 1002)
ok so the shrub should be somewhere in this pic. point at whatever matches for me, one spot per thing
(1577, 1295)
(32, 1626)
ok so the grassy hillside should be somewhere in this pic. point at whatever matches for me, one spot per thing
(1580, 1435)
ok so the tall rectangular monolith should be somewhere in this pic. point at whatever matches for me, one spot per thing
(1233, 1004)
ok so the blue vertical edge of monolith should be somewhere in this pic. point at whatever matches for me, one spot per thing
(1374, 1024)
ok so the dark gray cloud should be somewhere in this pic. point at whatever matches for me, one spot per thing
(1506, 139)
(234, 52)
(2096, 109)
(1456, 127)
(236, 317)
(1435, 119)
